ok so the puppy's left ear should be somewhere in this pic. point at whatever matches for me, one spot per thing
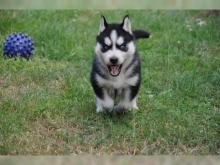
(126, 24)
(103, 24)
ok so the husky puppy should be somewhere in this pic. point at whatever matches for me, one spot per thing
(116, 70)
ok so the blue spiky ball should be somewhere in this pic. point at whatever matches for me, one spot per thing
(18, 45)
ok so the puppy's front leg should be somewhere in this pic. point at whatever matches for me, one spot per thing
(105, 103)
(127, 101)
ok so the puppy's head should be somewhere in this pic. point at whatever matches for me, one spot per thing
(115, 44)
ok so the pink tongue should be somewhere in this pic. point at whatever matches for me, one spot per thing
(114, 70)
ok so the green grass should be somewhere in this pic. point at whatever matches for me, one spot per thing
(47, 105)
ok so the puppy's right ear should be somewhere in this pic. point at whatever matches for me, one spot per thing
(103, 24)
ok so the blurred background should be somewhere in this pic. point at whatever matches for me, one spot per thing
(110, 4)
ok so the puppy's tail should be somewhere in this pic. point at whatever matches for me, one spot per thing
(138, 34)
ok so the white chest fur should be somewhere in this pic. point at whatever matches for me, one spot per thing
(117, 82)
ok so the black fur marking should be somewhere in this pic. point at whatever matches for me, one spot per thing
(135, 58)
(135, 89)
(97, 70)
(115, 93)
(97, 89)
(135, 71)
(141, 34)
(137, 68)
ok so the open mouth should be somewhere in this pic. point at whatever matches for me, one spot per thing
(114, 70)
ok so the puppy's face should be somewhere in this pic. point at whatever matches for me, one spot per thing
(115, 44)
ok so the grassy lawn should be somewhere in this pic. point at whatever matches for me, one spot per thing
(47, 105)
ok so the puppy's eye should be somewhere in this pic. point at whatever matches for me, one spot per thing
(123, 47)
(105, 47)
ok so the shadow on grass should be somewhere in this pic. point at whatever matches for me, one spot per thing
(118, 117)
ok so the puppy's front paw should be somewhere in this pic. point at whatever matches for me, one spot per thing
(119, 108)
(135, 107)
(99, 109)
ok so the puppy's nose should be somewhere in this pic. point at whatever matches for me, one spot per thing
(114, 60)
